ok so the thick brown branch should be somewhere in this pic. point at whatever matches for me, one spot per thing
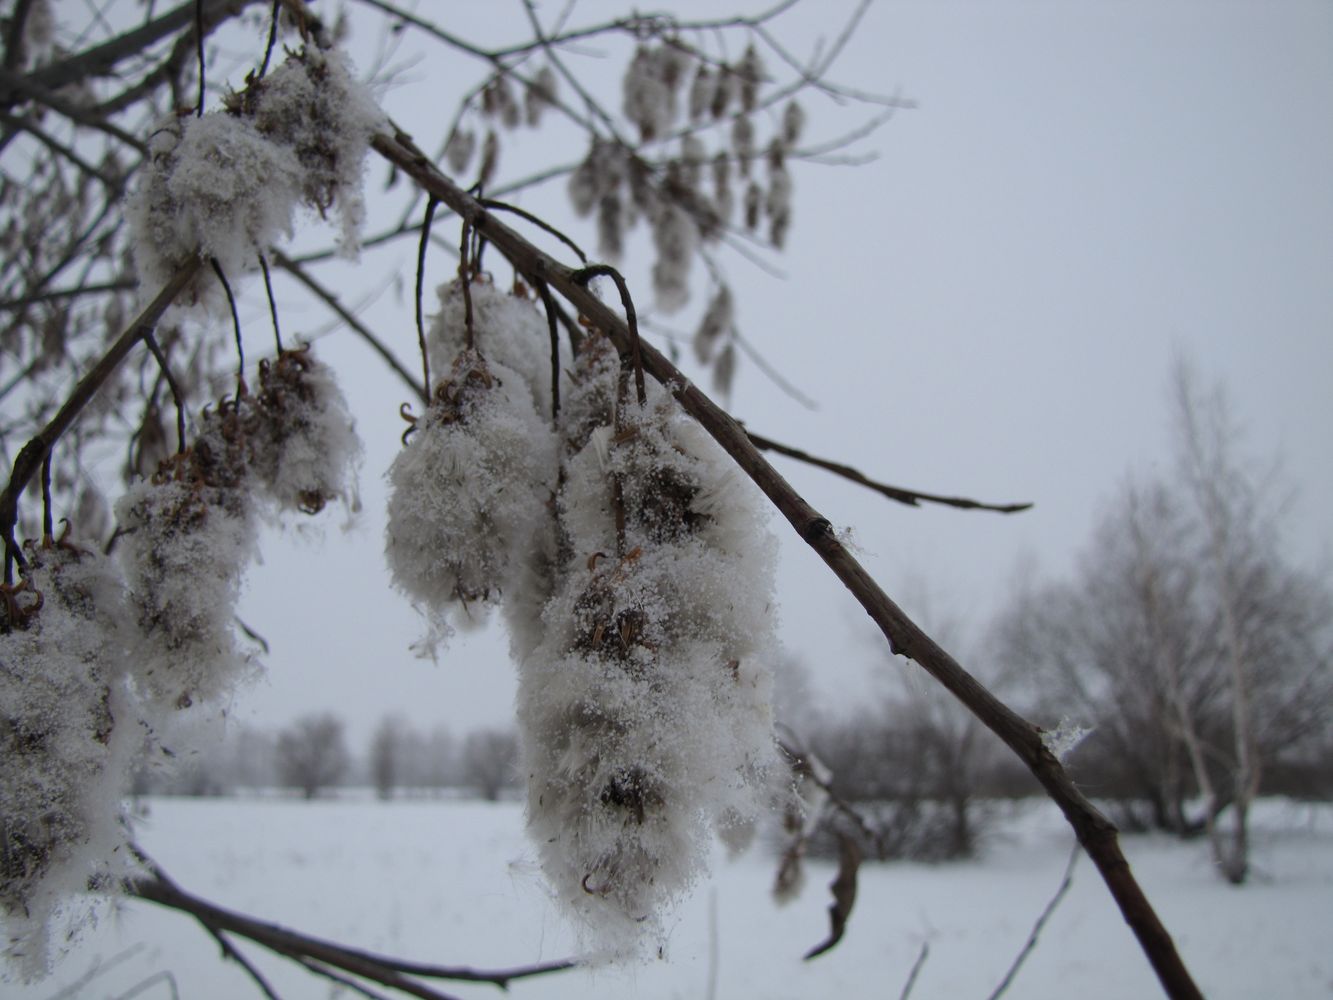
(382, 969)
(913, 498)
(1095, 832)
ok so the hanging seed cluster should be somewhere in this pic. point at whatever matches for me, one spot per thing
(98, 657)
(225, 186)
(636, 585)
(505, 102)
(686, 193)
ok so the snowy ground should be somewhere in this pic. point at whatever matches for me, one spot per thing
(455, 882)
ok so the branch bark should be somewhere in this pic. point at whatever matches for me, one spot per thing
(1095, 832)
(387, 971)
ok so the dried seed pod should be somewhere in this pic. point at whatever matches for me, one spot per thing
(539, 95)
(742, 142)
(793, 122)
(716, 323)
(675, 238)
(467, 491)
(750, 73)
(458, 150)
(701, 92)
(754, 201)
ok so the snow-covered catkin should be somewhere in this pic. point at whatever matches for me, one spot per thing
(646, 709)
(226, 185)
(189, 533)
(66, 741)
(675, 238)
(302, 443)
(467, 491)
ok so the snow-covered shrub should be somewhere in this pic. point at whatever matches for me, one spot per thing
(66, 738)
(646, 708)
(468, 491)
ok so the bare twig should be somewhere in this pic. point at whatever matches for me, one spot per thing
(1095, 832)
(383, 969)
(421, 279)
(1031, 942)
(916, 971)
(348, 317)
(31, 456)
(176, 395)
(912, 498)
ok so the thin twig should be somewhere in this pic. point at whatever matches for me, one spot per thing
(348, 317)
(272, 38)
(48, 524)
(382, 969)
(539, 223)
(916, 971)
(236, 325)
(272, 302)
(176, 395)
(585, 275)
(421, 278)
(552, 317)
(912, 498)
(31, 456)
(199, 39)
(1031, 942)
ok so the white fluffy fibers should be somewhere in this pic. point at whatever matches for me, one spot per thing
(472, 484)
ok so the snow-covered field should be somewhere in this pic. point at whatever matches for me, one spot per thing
(455, 882)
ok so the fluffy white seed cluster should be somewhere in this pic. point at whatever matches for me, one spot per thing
(469, 492)
(66, 742)
(98, 658)
(227, 185)
(636, 582)
(646, 707)
(689, 199)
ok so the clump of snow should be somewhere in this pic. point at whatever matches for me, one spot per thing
(66, 740)
(1064, 738)
(226, 185)
(468, 491)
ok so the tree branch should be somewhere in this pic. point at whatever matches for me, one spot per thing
(383, 969)
(912, 498)
(1095, 832)
(31, 456)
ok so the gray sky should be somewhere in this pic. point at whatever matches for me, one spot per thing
(1086, 190)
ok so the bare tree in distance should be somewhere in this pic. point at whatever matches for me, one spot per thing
(697, 154)
(1198, 652)
(389, 755)
(489, 762)
(312, 754)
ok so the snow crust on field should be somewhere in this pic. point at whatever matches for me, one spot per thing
(456, 882)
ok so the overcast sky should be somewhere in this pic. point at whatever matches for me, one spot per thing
(991, 307)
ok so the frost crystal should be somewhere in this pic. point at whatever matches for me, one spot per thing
(1064, 738)
(190, 533)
